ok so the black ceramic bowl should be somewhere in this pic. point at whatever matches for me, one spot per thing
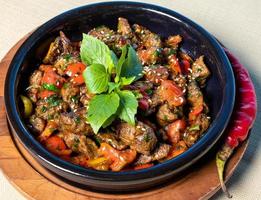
(220, 90)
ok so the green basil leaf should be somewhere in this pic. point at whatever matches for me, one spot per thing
(101, 108)
(114, 58)
(112, 86)
(127, 81)
(131, 66)
(96, 78)
(128, 106)
(109, 121)
(94, 50)
(50, 87)
(121, 60)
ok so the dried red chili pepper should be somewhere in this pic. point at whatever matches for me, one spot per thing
(243, 116)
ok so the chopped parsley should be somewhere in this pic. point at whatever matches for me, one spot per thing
(53, 100)
(67, 57)
(43, 109)
(77, 119)
(50, 87)
(75, 99)
(146, 137)
(76, 143)
(195, 127)
(149, 92)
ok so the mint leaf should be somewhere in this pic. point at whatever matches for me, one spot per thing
(101, 108)
(96, 78)
(127, 81)
(128, 106)
(131, 66)
(94, 50)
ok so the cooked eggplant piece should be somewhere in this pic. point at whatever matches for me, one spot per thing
(160, 153)
(166, 115)
(148, 38)
(74, 122)
(200, 71)
(112, 139)
(156, 73)
(61, 46)
(173, 41)
(35, 82)
(124, 27)
(37, 123)
(81, 144)
(196, 129)
(141, 137)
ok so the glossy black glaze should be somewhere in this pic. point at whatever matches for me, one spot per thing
(220, 89)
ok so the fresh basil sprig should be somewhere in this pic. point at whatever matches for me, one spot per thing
(110, 101)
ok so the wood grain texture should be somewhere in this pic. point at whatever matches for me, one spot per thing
(35, 182)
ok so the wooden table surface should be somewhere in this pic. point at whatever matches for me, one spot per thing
(235, 23)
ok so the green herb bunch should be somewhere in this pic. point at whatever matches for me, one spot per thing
(105, 76)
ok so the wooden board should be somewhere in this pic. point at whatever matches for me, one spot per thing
(35, 182)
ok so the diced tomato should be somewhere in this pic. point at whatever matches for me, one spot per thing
(49, 129)
(177, 149)
(45, 93)
(143, 166)
(185, 66)
(170, 92)
(174, 64)
(195, 112)
(119, 159)
(75, 72)
(50, 76)
(76, 68)
(175, 129)
(78, 80)
(57, 146)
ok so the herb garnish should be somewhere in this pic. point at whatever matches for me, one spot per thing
(195, 127)
(50, 87)
(110, 101)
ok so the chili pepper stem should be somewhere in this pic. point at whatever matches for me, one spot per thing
(221, 159)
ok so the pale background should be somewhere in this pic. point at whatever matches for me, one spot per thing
(236, 23)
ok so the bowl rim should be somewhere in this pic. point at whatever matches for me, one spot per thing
(201, 147)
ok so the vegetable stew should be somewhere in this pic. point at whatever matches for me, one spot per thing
(117, 100)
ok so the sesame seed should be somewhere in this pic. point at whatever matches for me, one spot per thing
(143, 129)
